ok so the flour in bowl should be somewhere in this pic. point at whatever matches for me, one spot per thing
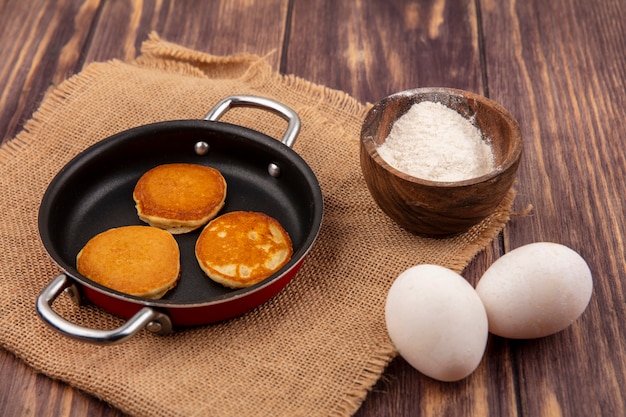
(434, 142)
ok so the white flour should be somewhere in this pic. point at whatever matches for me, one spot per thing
(434, 142)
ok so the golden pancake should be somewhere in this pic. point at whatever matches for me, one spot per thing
(241, 248)
(136, 260)
(179, 197)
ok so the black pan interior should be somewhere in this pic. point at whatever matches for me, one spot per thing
(94, 193)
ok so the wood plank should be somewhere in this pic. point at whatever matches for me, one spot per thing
(558, 66)
(373, 49)
(215, 27)
(26, 393)
(40, 45)
(39, 49)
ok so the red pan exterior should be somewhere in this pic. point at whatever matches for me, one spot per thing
(194, 315)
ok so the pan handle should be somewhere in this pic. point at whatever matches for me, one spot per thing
(146, 317)
(293, 128)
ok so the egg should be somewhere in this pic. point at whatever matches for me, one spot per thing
(437, 322)
(535, 290)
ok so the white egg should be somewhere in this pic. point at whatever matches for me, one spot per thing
(535, 290)
(437, 322)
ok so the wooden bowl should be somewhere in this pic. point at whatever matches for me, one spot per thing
(440, 209)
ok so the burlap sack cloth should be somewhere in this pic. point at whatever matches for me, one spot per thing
(313, 350)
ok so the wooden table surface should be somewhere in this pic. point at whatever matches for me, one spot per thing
(559, 66)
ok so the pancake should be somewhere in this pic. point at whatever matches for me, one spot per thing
(138, 260)
(241, 248)
(179, 198)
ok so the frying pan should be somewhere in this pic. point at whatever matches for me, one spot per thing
(93, 193)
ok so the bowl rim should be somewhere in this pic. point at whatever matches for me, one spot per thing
(370, 145)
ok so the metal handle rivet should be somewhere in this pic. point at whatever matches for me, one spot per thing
(154, 326)
(273, 170)
(201, 148)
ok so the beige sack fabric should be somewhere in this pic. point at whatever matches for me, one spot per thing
(313, 350)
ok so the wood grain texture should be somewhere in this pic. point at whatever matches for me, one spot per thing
(559, 67)
(26, 393)
(371, 49)
(41, 46)
(216, 27)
